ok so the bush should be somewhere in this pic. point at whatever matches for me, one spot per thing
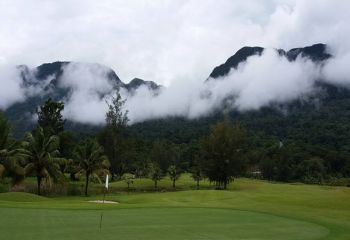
(335, 181)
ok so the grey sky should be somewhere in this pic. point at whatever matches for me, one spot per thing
(160, 40)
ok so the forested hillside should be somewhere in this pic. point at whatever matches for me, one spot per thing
(304, 139)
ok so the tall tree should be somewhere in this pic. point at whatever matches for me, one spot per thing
(91, 160)
(128, 179)
(11, 152)
(175, 168)
(222, 152)
(174, 174)
(197, 171)
(112, 137)
(116, 117)
(313, 170)
(50, 117)
(155, 173)
(42, 156)
(66, 148)
(162, 154)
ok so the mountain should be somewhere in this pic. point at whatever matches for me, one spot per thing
(240, 56)
(315, 129)
(317, 126)
(330, 105)
(137, 82)
(316, 52)
(45, 81)
(270, 119)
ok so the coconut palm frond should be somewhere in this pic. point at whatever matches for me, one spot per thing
(11, 153)
(29, 169)
(90, 158)
(42, 153)
(96, 176)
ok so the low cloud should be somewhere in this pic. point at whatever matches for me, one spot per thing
(337, 70)
(88, 85)
(174, 43)
(267, 79)
(260, 81)
(11, 90)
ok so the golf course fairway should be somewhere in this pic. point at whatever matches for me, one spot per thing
(250, 209)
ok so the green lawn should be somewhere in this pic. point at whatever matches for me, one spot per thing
(250, 209)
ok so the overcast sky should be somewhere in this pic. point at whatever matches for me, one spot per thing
(162, 40)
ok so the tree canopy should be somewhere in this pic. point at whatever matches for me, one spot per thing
(50, 117)
(90, 159)
(42, 156)
(222, 153)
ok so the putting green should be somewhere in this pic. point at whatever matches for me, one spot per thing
(152, 223)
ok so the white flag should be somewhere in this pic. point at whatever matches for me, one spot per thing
(106, 181)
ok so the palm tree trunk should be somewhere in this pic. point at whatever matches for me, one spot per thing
(86, 183)
(38, 178)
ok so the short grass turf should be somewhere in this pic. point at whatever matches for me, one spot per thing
(250, 209)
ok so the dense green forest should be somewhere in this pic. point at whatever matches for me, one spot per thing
(306, 140)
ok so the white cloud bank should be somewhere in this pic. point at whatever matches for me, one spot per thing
(10, 86)
(258, 82)
(89, 83)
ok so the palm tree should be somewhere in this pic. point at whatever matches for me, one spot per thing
(42, 156)
(11, 153)
(91, 160)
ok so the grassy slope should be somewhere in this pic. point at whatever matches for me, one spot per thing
(270, 211)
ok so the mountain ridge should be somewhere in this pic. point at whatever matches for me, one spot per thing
(316, 53)
(20, 112)
(43, 82)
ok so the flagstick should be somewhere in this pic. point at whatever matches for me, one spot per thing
(103, 201)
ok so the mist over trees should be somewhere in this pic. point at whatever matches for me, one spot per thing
(226, 150)
(299, 133)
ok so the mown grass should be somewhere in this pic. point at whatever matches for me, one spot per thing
(250, 209)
